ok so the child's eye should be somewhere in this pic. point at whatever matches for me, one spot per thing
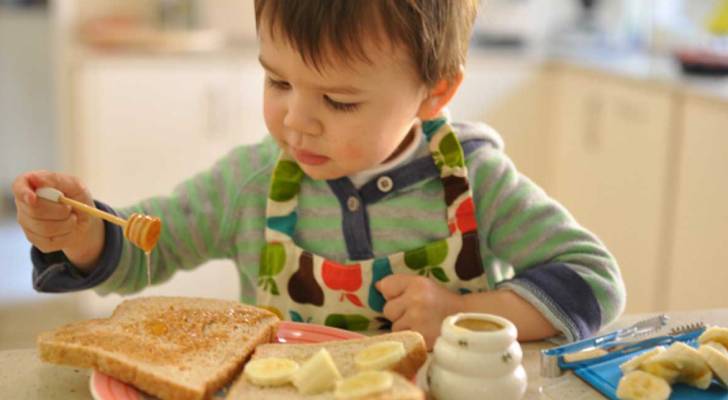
(340, 106)
(278, 84)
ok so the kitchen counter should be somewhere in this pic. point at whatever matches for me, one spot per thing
(23, 376)
(659, 70)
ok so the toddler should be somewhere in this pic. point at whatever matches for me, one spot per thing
(366, 208)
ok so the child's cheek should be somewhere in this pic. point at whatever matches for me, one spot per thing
(273, 116)
(354, 152)
(269, 113)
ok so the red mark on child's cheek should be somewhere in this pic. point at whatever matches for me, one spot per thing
(355, 152)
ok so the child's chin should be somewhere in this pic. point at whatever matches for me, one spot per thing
(319, 173)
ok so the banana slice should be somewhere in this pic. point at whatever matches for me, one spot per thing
(270, 371)
(715, 334)
(380, 355)
(318, 374)
(639, 385)
(695, 372)
(718, 347)
(717, 360)
(680, 363)
(666, 368)
(363, 384)
(635, 362)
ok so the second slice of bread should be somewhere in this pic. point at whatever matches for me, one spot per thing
(171, 347)
(343, 353)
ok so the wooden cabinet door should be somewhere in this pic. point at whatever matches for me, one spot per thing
(610, 153)
(699, 248)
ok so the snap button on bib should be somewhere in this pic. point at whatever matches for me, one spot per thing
(385, 184)
(352, 203)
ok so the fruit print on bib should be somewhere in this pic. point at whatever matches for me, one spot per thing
(306, 287)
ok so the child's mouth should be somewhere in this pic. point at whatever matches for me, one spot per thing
(306, 157)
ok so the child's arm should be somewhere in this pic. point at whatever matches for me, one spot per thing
(200, 220)
(559, 267)
(545, 272)
(530, 322)
(418, 303)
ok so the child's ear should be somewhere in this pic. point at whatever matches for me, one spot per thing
(439, 95)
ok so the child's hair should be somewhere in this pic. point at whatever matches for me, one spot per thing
(435, 32)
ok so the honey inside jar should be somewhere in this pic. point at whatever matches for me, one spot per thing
(479, 325)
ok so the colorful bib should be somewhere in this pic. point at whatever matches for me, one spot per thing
(301, 286)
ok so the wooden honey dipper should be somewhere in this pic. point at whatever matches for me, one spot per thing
(142, 230)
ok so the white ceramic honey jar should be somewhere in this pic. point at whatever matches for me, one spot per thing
(477, 357)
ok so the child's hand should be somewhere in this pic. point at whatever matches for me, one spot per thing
(53, 226)
(417, 303)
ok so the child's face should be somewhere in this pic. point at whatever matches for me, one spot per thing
(344, 119)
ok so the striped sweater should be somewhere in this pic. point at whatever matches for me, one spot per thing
(529, 243)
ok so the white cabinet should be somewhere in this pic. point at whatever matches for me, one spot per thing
(610, 149)
(699, 246)
(142, 125)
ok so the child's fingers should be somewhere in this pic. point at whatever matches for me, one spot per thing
(401, 324)
(394, 285)
(429, 329)
(44, 210)
(47, 244)
(69, 185)
(395, 308)
(48, 225)
(26, 184)
(50, 229)
(22, 190)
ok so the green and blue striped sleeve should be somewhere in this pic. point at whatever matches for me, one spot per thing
(201, 219)
(557, 265)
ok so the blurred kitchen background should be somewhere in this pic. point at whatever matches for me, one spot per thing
(617, 108)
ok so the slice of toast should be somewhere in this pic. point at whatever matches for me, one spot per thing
(343, 353)
(171, 347)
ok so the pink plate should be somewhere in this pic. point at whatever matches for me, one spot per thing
(104, 387)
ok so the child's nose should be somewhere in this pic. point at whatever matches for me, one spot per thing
(294, 138)
(300, 117)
